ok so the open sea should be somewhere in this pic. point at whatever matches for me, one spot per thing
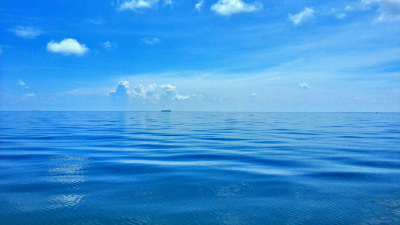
(199, 168)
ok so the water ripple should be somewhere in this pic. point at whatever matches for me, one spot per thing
(199, 168)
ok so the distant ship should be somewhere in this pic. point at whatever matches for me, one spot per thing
(166, 110)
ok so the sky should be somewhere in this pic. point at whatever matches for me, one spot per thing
(200, 55)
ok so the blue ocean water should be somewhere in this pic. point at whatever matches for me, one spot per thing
(199, 168)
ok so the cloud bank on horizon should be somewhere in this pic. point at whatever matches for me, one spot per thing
(230, 55)
(153, 94)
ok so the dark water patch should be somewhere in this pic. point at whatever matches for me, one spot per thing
(386, 164)
(346, 176)
(155, 146)
(24, 157)
(119, 168)
(267, 142)
(221, 139)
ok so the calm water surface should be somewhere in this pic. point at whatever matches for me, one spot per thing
(199, 168)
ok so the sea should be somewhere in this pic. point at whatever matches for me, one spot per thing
(199, 168)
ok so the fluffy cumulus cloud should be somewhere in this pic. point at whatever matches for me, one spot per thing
(140, 4)
(67, 46)
(151, 41)
(120, 96)
(26, 32)
(155, 93)
(302, 16)
(389, 9)
(146, 93)
(229, 7)
(170, 93)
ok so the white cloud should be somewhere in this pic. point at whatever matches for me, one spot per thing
(304, 85)
(120, 96)
(198, 97)
(168, 2)
(31, 95)
(151, 41)
(170, 93)
(26, 32)
(136, 4)
(109, 45)
(67, 46)
(154, 94)
(341, 15)
(199, 5)
(349, 8)
(140, 4)
(228, 7)
(301, 17)
(85, 91)
(21, 83)
(144, 93)
(96, 21)
(389, 9)
(337, 13)
(181, 97)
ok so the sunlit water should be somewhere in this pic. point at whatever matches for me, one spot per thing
(199, 168)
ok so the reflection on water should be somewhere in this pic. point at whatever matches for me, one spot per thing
(68, 171)
(65, 200)
(68, 175)
(232, 190)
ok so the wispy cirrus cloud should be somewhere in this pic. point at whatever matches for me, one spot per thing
(23, 84)
(389, 9)
(96, 21)
(304, 85)
(229, 7)
(151, 41)
(109, 45)
(26, 32)
(199, 5)
(301, 17)
(67, 46)
(30, 95)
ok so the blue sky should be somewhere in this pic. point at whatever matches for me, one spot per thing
(200, 55)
